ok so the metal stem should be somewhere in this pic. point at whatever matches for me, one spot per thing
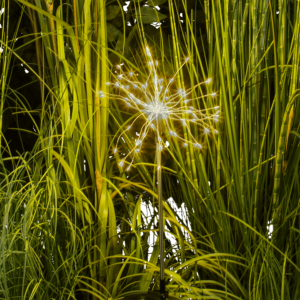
(161, 220)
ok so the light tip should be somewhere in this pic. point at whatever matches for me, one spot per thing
(148, 51)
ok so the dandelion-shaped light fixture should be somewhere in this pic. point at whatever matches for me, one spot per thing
(159, 105)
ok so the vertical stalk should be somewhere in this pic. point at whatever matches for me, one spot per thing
(161, 219)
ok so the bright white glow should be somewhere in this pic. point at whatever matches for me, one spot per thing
(270, 228)
(156, 24)
(160, 100)
(2, 11)
(157, 7)
(125, 7)
(206, 130)
(26, 71)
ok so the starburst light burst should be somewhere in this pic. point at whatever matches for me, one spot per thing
(159, 105)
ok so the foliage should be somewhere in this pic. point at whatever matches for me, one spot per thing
(72, 224)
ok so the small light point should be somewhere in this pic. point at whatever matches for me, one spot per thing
(148, 51)
(213, 94)
(199, 146)
(208, 81)
(172, 133)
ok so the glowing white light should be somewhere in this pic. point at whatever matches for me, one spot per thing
(157, 102)
(206, 130)
(138, 142)
(216, 131)
(213, 94)
(172, 133)
(101, 95)
(148, 51)
(107, 83)
(199, 146)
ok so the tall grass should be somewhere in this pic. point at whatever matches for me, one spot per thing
(72, 224)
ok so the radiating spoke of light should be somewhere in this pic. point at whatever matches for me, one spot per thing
(157, 101)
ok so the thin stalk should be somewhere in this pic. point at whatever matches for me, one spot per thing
(161, 220)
